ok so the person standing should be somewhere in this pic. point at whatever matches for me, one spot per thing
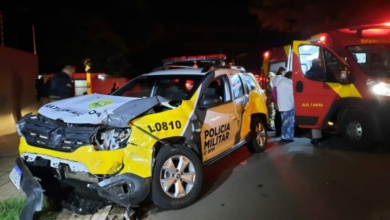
(115, 86)
(270, 104)
(286, 107)
(61, 85)
(277, 117)
(316, 72)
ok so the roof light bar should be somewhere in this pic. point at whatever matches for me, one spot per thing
(200, 58)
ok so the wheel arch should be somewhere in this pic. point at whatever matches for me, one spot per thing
(340, 109)
(178, 140)
(262, 116)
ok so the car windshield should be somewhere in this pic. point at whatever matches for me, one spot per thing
(174, 87)
(374, 59)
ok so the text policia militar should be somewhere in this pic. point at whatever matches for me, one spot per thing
(214, 136)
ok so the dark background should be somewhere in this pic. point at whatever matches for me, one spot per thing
(130, 37)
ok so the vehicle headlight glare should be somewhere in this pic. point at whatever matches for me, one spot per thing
(379, 88)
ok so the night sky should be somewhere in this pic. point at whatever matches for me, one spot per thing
(132, 37)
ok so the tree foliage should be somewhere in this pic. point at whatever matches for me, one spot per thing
(313, 16)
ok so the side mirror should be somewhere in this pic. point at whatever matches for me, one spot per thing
(344, 75)
(209, 101)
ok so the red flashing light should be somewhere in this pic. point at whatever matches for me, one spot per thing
(266, 54)
(369, 29)
(189, 84)
(319, 38)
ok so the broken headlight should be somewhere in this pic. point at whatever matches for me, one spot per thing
(111, 138)
(20, 125)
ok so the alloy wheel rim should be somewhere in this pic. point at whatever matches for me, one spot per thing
(177, 176)
(260, 134)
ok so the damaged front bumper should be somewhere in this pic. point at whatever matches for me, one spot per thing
(125, 190)
(32, 189)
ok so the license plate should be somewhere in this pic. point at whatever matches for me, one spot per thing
(15, 176)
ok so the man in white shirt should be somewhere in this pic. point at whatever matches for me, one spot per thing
(286, 107)
(277, 118)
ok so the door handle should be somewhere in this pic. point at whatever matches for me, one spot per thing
(233, 116)
(299, 86)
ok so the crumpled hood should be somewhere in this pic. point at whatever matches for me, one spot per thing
(98, 108)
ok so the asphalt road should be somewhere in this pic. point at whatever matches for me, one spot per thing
(293, 181)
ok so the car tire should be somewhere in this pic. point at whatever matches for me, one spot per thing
(257, 140)
(176, 186)
(356, 130)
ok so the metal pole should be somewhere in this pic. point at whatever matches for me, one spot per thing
(33, 32)
(87, 65)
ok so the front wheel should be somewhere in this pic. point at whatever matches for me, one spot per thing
(177, 178)
(357, 130)
(257, 140)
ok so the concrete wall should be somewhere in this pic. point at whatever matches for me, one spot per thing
(18, 72)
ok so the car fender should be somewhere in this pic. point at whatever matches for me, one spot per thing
(255, 105)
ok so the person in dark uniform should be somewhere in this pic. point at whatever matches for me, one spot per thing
(61, 85)
(316, 71)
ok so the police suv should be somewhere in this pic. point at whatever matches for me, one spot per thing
(148, 139)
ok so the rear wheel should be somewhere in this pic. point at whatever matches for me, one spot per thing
(257, 140)
(357, 131)
(177, 177)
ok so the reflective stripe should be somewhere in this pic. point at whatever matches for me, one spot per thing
(345, 90)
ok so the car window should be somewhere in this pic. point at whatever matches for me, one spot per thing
(217, 92)
(237, 86)
(333, 67)
(250, 82)
(174, 87)
(227, 94)
(139, 88)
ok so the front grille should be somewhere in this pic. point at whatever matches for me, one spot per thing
(43, 132)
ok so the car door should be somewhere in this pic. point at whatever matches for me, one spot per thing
(313, 96)
(220, 123)
(240, 99)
